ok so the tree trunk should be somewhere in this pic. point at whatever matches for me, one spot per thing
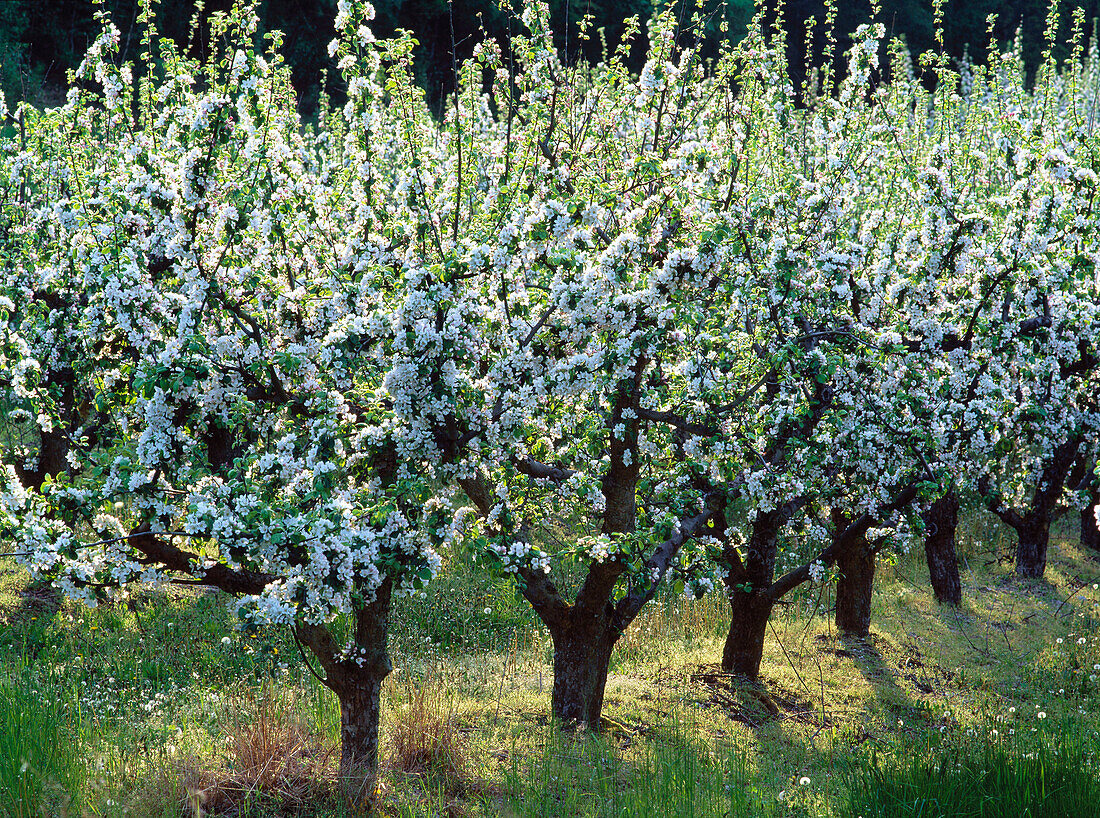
(581, 660)
(360, 698)
(744, 647)
(853, 589)
(356, 679)
(749, 589)
(52, 461)
(1090, 526)
(1033, 525)
(1090, 531)
(1031, 549)
(941, 521)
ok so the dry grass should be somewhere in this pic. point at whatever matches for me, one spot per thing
(425, 741)
(274, 759)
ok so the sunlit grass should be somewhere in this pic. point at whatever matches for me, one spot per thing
(167, 691)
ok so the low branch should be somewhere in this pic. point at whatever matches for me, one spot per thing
(219, 575)
(841, 541)
(321, 644)
(542, 471)
(537, 588)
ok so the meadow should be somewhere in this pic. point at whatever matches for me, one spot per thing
(147, 708)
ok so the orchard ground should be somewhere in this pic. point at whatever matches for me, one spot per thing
(147, 709)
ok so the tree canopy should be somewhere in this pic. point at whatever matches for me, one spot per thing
(676, 326)
(39, 41)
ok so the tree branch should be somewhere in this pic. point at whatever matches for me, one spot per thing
(671, 419)
(854, 532)
(219, 575)
(660, 559)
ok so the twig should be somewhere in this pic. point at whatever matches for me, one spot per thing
(1077, 590)
(305, 659)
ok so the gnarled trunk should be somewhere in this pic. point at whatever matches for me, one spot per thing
(1032, 523)
(942, 521)
(1031, 548)
(1090, 525)
(744, 648)
(360, 702)
(356, 679)
(581, 659)
(749, 590)
(854, 586)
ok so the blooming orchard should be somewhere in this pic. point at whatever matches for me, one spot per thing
(671, 324)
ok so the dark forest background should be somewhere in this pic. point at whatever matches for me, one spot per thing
(41, 39)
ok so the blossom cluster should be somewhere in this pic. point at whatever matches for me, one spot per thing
(286, 348)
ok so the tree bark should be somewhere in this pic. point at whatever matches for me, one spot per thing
(749, 590)
(1090, 531)
(356, 678)
(942, 521)
(53, 449)
(854, 587)
(53, 461)
(360, 704)
(1032, 524)
(744, 648)
(581, 660)
(1033, 536)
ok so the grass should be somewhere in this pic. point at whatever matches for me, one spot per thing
(673, 773)
(40, 745)
(1014, 777)
(159, 708)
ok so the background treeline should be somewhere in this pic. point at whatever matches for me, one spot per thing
(41, 39)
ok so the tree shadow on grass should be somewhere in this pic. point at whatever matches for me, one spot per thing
(755, 704)
(886, 680)
(37, 605)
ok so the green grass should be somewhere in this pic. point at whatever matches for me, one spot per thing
(41, 757)
(145, 711)
(674, 773)
(1053, 776)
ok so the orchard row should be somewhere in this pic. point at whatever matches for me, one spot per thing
(672, 328)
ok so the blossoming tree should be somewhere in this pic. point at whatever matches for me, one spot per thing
(664, 326)
(191, 262)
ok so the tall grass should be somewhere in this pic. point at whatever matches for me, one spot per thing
(674, 773)
(41, 771)
(1053, 777)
